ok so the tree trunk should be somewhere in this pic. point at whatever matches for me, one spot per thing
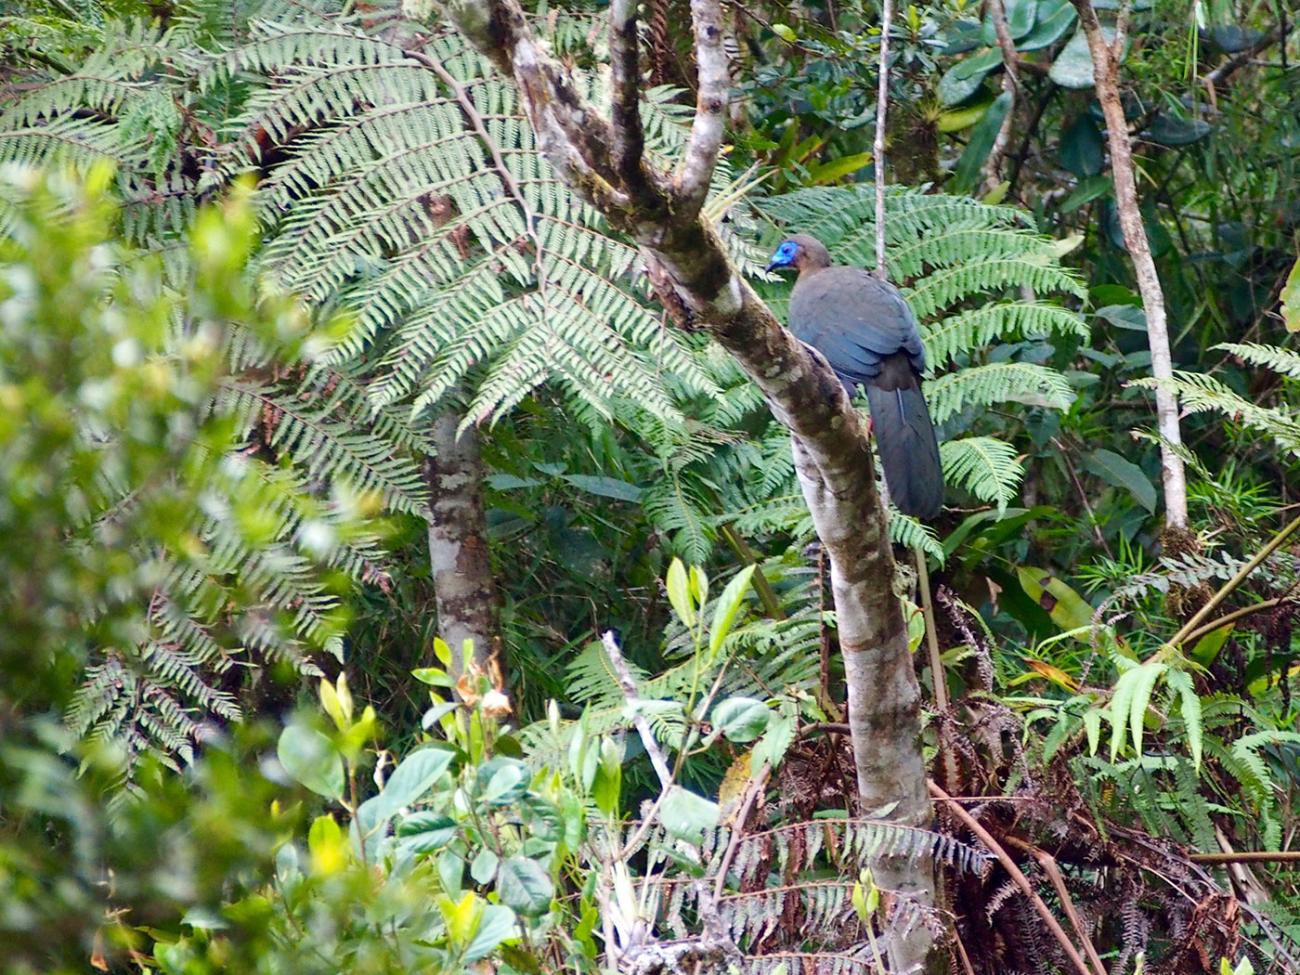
(464, 589)
(1105, 69)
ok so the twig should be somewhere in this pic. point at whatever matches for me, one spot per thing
(878, 142)
(1048, 863)
(625, 681)
(755, 789)
(961, 953)
(1226, 589)
(937, 676)
(1236, 614)
(1010, 85)
(1017, 877)
(1247, 856)
(766, 595)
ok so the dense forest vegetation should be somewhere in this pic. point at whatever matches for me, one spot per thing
(425, 551)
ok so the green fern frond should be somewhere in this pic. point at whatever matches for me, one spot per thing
(979, 327)
(985, 466)
(1280, 360)
(1199, 392)
(999, 382)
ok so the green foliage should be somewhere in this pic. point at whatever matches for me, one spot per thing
(213, 554)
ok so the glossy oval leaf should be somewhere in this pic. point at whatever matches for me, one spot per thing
(312, 760)
(1122, 473)
(1055, 18)
(964, 78)
(524, 886)
(741, 719)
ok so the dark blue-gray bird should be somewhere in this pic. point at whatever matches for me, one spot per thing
(868, 334)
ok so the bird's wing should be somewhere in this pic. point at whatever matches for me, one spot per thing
(856, 321)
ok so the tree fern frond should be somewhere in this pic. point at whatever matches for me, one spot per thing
(1280, 360)
(999, 382)
(958, 334)
(985, 466)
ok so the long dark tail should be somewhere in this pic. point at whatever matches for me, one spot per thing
(905, 441)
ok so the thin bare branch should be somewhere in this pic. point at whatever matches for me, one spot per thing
(1017, 877)
(1010, 85)
(691, 184)
(1048, 863)
(626, 682)
(878, 142)
(628, 146)
(1105, 63)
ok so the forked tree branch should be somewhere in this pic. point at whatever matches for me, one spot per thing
(628, 145)
(713, 78)
(832, 451)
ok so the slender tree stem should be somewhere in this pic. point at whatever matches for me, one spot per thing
(878, 143)
(931, 637)
(1105, 65)
(1227, 588)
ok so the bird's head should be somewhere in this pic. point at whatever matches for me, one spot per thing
(800, 252)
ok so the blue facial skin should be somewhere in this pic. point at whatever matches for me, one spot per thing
(784, 256)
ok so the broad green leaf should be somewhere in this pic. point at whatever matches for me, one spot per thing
(1019, 15)
(965, 77)
(785, 32)
(1170, 130)
(741, 719)
(606, 788)
(606, 487)
(495, 925)
(985, 133)
(433, 676)
(524, 886)
(727, 606)
(1073, 66)
(1082, 150)
(679, 593)
(426, 832)
(1130, 317)
(327, 847)
(502, 779)
(461, 916)
(412, 779)
(687, 815)
(311, 759)
(956, 119)
(1291, 299)
(1115, 470)
(1068, 610)
(484, 866)
(776, 741)
(1055, 17)
(837, 169)
(699, 587)
(1207, 647)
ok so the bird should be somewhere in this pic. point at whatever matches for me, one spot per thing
(864, 328)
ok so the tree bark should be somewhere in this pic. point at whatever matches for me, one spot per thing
(1105, 67)
(464, 589)
(603, 161)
